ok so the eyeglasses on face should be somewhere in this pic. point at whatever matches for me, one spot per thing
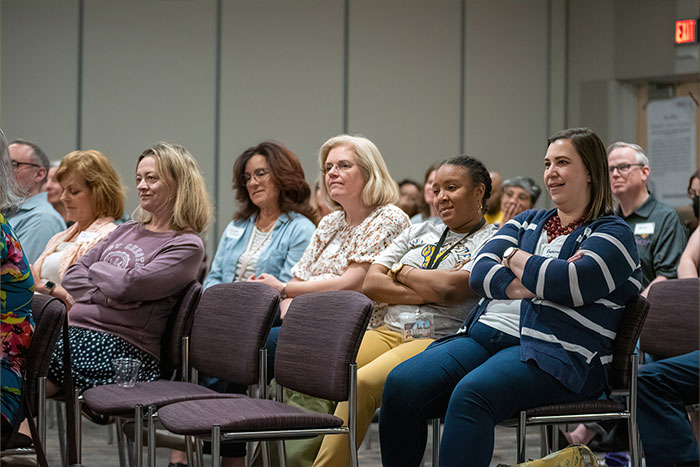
(343, 166)
(16, 164)
(623, 168)
(258, 174)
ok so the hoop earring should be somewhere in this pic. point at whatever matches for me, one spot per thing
(480, 209)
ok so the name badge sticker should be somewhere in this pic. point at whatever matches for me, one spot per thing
(86, 237)
(644, 228)
(234, 232)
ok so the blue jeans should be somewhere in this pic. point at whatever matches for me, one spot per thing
(475, 382)
(664, 388)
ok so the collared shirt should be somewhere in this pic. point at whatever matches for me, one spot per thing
(34, 223)
(660, 237)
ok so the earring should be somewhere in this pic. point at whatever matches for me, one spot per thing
(480, 209)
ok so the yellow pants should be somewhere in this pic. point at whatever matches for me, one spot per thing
(381, 350)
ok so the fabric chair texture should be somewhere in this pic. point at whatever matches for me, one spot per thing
(230, 320)
(316, 352)
(671, 328)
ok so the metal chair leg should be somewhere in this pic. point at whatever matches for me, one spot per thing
(266, 453)
(77, 406)
(138, 435)
(61, 422)
(199, 449)
(544, 441)
(41, 412)
(521, 437)
(216, 446)
(283, 453)
(151, 435)
(436, 441)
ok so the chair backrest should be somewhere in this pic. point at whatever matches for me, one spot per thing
(672, 326)
(48, 313)
(320, 337)
(230, 327)
(178, 326)
(625, 342)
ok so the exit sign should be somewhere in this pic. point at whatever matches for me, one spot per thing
(686, 31)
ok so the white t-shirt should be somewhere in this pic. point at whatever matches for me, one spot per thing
(414, 247)
(248, 260)
(504, 315)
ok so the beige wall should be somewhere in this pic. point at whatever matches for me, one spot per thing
(425, 79)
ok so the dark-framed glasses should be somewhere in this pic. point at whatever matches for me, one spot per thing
(258, 174)
(16, 164)
(623, 168)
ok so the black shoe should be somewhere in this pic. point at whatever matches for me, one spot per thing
(616, 440)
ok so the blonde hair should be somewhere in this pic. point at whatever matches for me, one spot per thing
(380, 188)
(106, 190)
(192, 210)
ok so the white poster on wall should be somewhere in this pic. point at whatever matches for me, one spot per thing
(671, 134)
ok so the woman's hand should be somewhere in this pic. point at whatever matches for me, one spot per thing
(268, 279)
(511, 210)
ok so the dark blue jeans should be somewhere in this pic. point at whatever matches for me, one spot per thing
(665, 387)
(475, 382)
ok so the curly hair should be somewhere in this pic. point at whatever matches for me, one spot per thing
(287, 174)
(478, 173)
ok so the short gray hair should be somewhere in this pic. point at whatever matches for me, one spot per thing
(39, 155)
(641, 155)
(10, 194)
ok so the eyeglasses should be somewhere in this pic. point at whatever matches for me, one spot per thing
(258, 174)
(16, 164)
(343, 166)
(623, 168)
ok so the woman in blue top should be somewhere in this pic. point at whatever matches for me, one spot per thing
(555, 284)
(273, 226)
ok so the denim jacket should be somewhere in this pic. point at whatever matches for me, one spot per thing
(289, 239)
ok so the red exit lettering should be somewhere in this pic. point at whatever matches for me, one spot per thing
(686, 31)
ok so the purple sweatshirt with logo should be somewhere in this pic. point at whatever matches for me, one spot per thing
(133, 266)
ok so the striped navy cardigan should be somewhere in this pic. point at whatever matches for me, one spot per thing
(574, 317)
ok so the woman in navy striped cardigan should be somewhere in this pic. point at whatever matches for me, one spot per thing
(554, 286)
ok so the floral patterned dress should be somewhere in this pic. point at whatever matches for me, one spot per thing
(16, 293)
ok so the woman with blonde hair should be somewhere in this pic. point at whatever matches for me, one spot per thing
(93, 198)
(127, 285)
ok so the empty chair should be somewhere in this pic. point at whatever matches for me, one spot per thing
(316, 352)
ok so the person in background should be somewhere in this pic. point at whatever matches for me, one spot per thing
(93, 198)
(694, 195)
(53, 192)
(554, 285)
(428, 212)
(35, 221)
(425, 268)
(410, 197)
(17, 324)
(658, 231)
(494, 215)
(345, 243)
(318, 202)
(127, 285)
(689, 265)
(519, 194)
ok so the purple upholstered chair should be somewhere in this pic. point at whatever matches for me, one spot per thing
(230, 327)
(316, 353)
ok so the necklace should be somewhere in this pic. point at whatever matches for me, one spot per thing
(554, 228)
(267, 227)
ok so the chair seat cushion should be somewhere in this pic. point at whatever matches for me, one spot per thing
(242, 414)
(112, 399)
(576, 408)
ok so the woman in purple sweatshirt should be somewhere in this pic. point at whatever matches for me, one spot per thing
(127, 285)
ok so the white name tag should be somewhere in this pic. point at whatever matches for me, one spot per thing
(644, 228)
(86, 237)
(234, 232)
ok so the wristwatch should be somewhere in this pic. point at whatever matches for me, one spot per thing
(510, 251)
(50, 285)
(395, 270)
(283, 293)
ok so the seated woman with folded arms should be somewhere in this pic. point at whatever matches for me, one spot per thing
(93, 198)
(425, 269)
(554, 285)
(127, 285)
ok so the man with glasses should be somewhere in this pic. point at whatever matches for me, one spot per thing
(658, 231)
(35, 221)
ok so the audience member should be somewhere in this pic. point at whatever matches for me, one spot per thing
(425, 270)
(35, 221)
(346, 241)
(93, 198)
(554, 285)
(519, 194)
(410, 197)
(658, 231)
(689, 265)
(53, 192)
(127, 285)
(494, 215)
(428, 212)
(694, 195)
(664, 388)
(17, 292)
(319, 203)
